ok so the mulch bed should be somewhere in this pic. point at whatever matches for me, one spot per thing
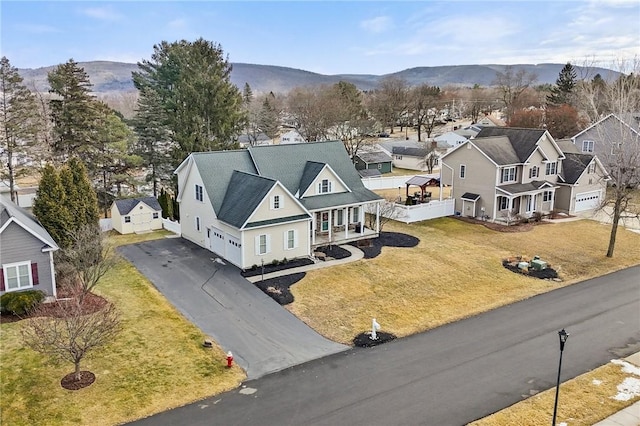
(363, 340)
(334, 251)
(294, 263)
(278, 288)
(386, 239)
(69, 381)
(91, 303)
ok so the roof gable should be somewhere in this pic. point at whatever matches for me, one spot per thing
(127, 204)
(574, 166)
(499, 150)
(11, 213)
(523, 141)
(311, 170)
(244, 194)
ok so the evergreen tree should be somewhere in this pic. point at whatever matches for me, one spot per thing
(50, 207)
(202, 107)
(247, 94)
(73, 111)
(82, 200)
(269, 117)
(562, 92)
(17, 120)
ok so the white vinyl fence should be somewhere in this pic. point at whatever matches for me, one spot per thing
(106, 225)
(389, 182)
(172, 226)
(425, 211)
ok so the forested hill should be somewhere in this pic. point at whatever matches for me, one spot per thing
(116, 76)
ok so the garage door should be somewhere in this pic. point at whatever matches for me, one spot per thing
(141, 222)
(217, 241)
(234, 250)
(587, 201)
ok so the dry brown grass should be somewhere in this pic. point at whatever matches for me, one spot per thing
(583, 401)
(453, 273)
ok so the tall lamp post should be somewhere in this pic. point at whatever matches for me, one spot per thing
(563, 335)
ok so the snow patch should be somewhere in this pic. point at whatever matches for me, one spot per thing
(596, 382)
(627, 367)
(628, 389)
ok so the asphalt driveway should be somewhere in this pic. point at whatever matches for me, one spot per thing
(263, 336)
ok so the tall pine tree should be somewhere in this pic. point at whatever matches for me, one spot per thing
(51, 209)
(17, 120)
(82, 201)
(562, 92)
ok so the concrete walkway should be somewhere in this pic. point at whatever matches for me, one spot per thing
(356, 254)
(630, 416)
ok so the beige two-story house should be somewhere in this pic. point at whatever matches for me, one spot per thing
(269, 203)
(505, 173)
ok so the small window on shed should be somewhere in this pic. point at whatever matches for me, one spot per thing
(127, 219)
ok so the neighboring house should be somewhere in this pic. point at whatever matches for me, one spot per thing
(375, 160)
(137, 215)
(260, 139)
(292, 136)
(25, 196)
(26, 252)
(507, 172)
(489, 120)
(450, 140)
(267, 203)
(609, 135)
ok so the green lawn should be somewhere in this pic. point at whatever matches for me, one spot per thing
(156, 363)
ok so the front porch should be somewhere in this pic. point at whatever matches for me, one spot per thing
(522, 201)
(343, 237)
(343, 225)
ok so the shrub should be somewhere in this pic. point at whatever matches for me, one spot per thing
(275, 262)
(19, 303)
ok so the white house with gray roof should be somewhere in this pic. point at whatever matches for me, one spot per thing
(507, 172)
(26, 252)
(268, 203)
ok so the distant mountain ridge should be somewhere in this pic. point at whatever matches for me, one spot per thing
(108, 77)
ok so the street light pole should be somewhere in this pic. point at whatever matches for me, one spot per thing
(563, 335)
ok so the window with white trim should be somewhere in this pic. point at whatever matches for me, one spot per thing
(588, 146)
(503, 203)
(547, 196)
(324, 186)
(339, 218)
(592, 168)
(356, 215)
(534, 172)
(550, 169)
(379, 166)
(156, 215)
(262, 244)
(509, 174)
(276, 202)
(17, 276)
(463, 171)
(291, 239)
(127, 219)
(199, 193)
(198, 223)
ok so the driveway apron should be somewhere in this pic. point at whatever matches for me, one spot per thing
(263, 336)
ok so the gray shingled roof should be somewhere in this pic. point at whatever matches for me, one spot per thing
(9, 210)
(523, 141)
(369, 173)
(374, 157)
(244, 193)
(573, 166)
(126, 205)
(470, 196)
(520, 188)
(311, 170)
(499, 149)
(409, 151)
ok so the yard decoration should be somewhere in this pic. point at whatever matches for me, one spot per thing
(374, 327)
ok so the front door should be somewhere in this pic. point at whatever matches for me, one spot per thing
(324, 222)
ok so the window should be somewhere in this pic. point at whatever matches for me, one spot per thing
(398, 157)
(339, 218)
(324, 186)
(290, 239)
(587, 146)
(156, 215)
(503, 203)
(276, 202)
(533, 172)
(356, 215)
(197, 223)
(199, 194)
(127, 219)
(18, 276)
(379, 166)
(509, 174)
(592, 168)
(463, 171)
(547, 196)
(262, 244)
(551, 169)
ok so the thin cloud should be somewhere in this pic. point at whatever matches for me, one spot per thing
(177, 24)
(37, 28)
(102, 13)
(377, 25)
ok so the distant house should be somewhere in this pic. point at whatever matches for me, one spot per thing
(26, 252)
(506, 172)
(609, 136)
(450, 140)
(25, 196)
(292, 136)
(377, 160)
(135, 215)
(246, 140)
(490, 120)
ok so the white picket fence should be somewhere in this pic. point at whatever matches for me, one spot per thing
(419, 212)
(172, 226)
(390, 182)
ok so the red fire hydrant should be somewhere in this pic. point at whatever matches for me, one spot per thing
(229, 359)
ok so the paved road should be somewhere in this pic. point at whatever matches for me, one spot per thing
(262, 336)
(448, 376)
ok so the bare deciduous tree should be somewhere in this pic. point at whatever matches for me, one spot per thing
(511, 84)
(68, 332)
(388, 211)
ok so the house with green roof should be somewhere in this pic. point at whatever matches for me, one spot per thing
(273, 202)
(506, 172)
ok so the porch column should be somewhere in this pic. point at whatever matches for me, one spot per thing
(329, 218)
(361, 218)
(345, 221)
(313, 228)
(553, 199)
(378, 217)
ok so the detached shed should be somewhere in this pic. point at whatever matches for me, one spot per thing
(373, 161)
(136, 215)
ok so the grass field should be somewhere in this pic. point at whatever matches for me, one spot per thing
(157, 362)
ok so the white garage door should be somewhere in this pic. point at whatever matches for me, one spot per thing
(587, 201)
(141, 222)
(234, 250)
(217, 241)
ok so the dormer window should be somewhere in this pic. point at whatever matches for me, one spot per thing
(324, 187)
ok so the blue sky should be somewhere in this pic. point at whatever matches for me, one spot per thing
(341, 37)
